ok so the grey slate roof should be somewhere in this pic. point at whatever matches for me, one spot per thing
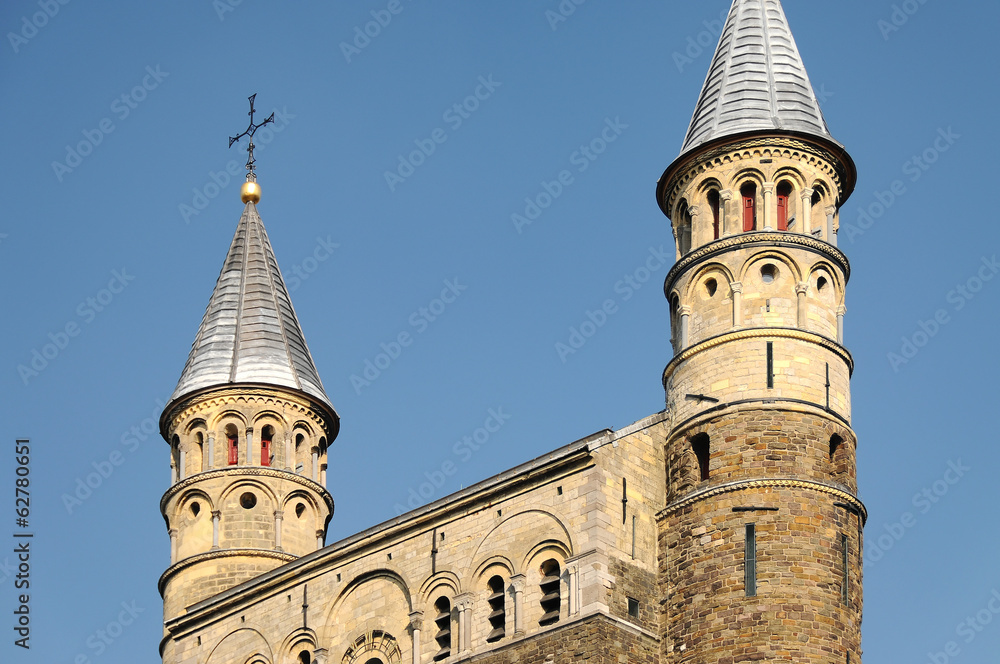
(757, 81)
(250, 333)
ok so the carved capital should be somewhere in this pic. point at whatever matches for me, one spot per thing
(518, 581)
(736, 286)
(416, 621)
(768, 187)
(831, 210)
(726, 195)
(801, 288)
(217, 514)
(279, 515)
(842, 310)
(807, 194)
(694, 211)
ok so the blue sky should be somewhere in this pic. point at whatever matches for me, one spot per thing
(103, 257)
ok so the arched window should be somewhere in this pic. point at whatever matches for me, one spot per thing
(199, 462)
(304, 657)
(175, 459)
(266, 435)
(233, 444)
(784, 192)
(443, 624)
(551, 599)
(498, 610)
(835, 442)
(300, 440)
(713, 203)
(818, 214)
(748, 193)
(702, 451)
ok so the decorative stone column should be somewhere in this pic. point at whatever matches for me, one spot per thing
(216, 515)
(463, 603)
(319, 539)
(807, 197)
(801, 289)
(416, 622)
(248, 456)
(831, 237)
(697, 232)
(315, 466)
(278, 516)
(289, 461)
(724, 198)
(517, 582)
(573, 581)
(768, 200)
(320, 656)
(737, 289)
(211, 452)
(322, 474)
(685, 312)
(173, 545)
(181, 472)
(841, 312)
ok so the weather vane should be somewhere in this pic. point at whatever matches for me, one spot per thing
(250, 191)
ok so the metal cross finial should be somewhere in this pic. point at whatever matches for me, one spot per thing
(251, 130)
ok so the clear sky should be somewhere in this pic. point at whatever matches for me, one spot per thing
(118, 212)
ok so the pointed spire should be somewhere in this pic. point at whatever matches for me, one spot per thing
(757, 81)
(250, 333)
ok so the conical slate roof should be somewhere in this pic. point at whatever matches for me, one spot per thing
(250, 333)
(757, 81)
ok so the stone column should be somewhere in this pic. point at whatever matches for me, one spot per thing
(319, 539)
(173, 545)
(801, 289)
(463, 603)
(278, 516)
(320, 656)
(724, 198)
(211, 451)
(685, 312)
(573, 578)
(841, 312)
(697, 231)
(807, 197)
(289, 461)
(517, 582)
(830, 236)
(769, 214)
(249, 455)
(416, 621)
(181, 472)
(216, 515)
(737, 288)
(315, 466)
(322, 474)
(173, 469)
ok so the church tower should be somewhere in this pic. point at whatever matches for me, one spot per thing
(760, 542)
(248, 425)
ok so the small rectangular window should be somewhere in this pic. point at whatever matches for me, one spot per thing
(770, 365)
(633, 608)
(845, 554)
(750, 561)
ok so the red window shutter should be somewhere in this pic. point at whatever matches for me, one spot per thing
(234, 451)
(782, 212)
(265, 453)
(749, 213)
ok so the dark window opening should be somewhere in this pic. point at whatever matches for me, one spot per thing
(749, 195)
(750, 561)
(195, 508)
(299, 509)
(702, 451)
(304, 657)
(835, 441)
(633, 608)
(265, 446)
(233, 441)
(551, 599)
(248, 501)
(443, 624)
(846, 570)
(770, 365)
(784, 192)
(498, 610)
(713, 203)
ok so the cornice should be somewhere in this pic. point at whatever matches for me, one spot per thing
(245, 471)
(221, 553)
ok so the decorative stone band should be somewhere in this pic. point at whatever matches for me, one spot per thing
(217, 398)
(769, 238)
(756, 333)
(778, 483)
(838, 166)
(245, 471)
(222, 553)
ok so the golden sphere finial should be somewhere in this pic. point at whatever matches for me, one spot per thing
(250, 192)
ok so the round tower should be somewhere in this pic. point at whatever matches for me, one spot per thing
(248, 426)
(761, 538)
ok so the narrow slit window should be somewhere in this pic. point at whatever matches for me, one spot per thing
(700, 444)
(750, 559)
(845, 554)
(784, 192)
(770, 365)
(713, 203)
(551, 598)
